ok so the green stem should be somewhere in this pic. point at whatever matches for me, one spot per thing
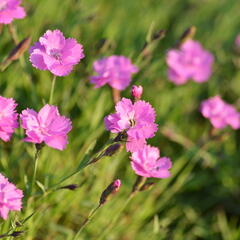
(52, 89)
(86, 221)
(36, 158)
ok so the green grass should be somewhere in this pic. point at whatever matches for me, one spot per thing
(201, 199)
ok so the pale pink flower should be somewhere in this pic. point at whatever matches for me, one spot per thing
(137, 92)
(10, 197)
(220, 113)
(47, 126)
(114, 70)
(136, 119)
(55, 53)
(8, 118)
(9, 10)
(146, 162)
(191, 61)
(237, 40)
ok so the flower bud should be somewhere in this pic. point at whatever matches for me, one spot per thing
(137, 92)
(109, 191)
(71, 187)
(112, 149)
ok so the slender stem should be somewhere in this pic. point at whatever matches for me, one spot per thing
(52, 89)
(86, 221)
(116, 95)
(13, 33)
(1, 28)
(36, 158)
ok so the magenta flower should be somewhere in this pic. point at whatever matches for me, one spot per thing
(46, 126)
(9, 10)
(136, 119)
(137, 92)
(55, 53)
(8, 118)
(146, 162)
(114, 70)
(220, 113)
(191, 61)
(10, 197)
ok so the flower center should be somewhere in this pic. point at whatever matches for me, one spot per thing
(56, 54)
(132, 122)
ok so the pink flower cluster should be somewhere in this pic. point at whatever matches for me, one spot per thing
(8, 118)
(55, 53)
(114, 70)
(10, 197)
(137, 120)
(191, 61)
(9, 10)
(47, 126)
(220, 113)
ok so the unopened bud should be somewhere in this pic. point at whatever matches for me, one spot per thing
(188, 34)
(111, 150)
(109, 191)
(71, 187)
(137, 92)
(15, 234)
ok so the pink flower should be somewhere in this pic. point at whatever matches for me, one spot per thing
(137, 119)
(114, 70)
(137, 92)
(191, 61)
(9, 10)
(8, 118)
(220, 113)
(46, 126)
(146, 162)
(55, 53)
(10, 197)
(237, 40)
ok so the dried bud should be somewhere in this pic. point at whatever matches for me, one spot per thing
(137, 92)
(71, 187)
(109, 191)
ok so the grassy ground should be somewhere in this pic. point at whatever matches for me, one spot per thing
(201, 199)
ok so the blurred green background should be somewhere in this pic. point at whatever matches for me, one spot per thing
(202, 198)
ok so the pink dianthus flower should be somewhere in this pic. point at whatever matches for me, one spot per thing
(10, 197)
(8, 118)
(136, 119)
(55, 53)
(9, 10)
(220, 113)
(237, 41)
(114, 70)
(146, 162)
(47, 126)
(191, 61)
